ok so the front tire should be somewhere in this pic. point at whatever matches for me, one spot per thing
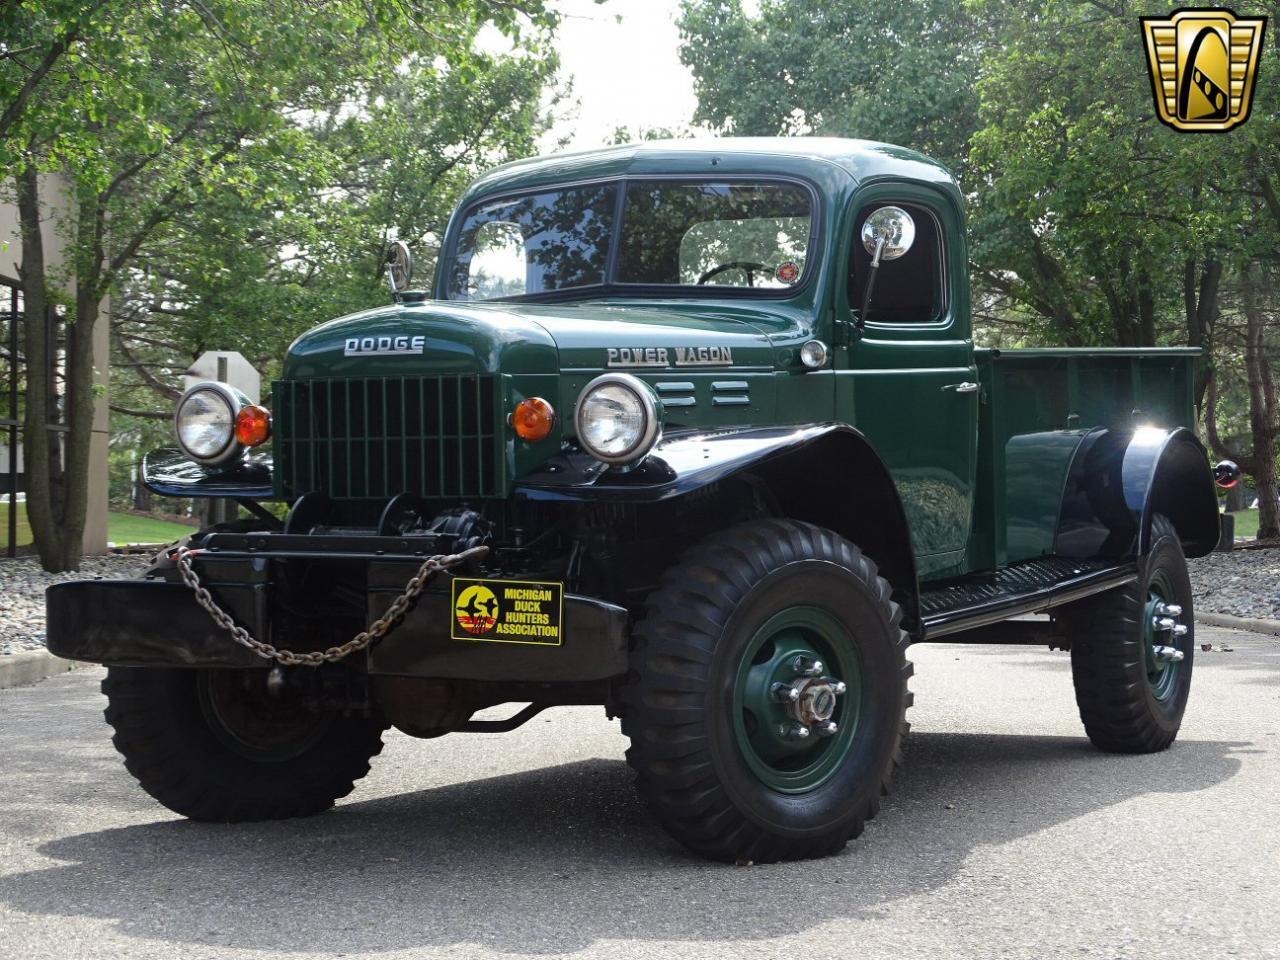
(214, 745)
(1132, 698)
(734, 628)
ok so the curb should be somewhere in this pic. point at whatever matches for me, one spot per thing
(1252, 624)
(31, 666)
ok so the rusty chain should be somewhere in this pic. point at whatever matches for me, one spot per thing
(376, 630)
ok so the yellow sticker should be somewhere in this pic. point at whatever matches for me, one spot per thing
(508, 611)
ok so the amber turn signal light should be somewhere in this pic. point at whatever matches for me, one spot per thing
(253, 425)
(533, 419)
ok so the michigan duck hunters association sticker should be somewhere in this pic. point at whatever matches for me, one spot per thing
(1204, 67)
(508, 611)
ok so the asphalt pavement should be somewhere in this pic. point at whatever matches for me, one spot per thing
(1006, 835)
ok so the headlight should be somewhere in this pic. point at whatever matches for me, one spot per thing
(205, 422)
(617, 418)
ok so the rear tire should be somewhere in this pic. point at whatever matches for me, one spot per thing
(714, 744)
(211, 745)
(1131, 701)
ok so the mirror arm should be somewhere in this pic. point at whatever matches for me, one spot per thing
(861, 322)
(391, 282)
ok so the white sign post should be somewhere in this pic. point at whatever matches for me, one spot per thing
(228, 366)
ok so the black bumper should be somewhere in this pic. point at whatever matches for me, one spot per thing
(158, 623)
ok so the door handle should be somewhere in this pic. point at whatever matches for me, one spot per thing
(965, 387)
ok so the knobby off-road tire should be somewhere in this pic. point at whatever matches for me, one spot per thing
(721, 630)
(207, 749)
(1129, 701)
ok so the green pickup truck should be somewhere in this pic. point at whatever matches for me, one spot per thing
(695, 431)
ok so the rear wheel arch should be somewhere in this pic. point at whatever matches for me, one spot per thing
(1120, 480)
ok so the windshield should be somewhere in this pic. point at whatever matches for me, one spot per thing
(743, 236)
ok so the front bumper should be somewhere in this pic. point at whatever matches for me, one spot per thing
(158, 623)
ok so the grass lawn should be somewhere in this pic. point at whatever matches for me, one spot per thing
(121, 528)
(127, 528)
(24, 531)
(1246, 523)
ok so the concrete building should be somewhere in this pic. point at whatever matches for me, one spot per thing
(56, 222)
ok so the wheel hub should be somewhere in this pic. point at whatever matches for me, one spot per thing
(811, 702)
(1164, 634)
(794, 713)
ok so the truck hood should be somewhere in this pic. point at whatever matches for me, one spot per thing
(441, 337)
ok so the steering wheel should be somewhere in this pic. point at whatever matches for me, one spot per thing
(748, 266)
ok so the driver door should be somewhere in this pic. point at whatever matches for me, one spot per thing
(910, 383)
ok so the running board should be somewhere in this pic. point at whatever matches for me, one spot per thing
(1024, 588)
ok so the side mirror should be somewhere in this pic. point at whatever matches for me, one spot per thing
(1226, 474)
(887, 234)
(399, 267)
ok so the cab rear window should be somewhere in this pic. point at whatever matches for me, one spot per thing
(717, 234)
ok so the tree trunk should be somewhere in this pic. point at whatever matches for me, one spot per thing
(57, 474)
(46, 526)
(1202, 315)
(1261, 412)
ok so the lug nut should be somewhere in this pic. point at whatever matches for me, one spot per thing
(807, 667)
(1179, 629)
(1168, 654)
(784, 693)
(1171, 609)
(1163, 623)
(827, 728)
(796, 731)
(839, 687)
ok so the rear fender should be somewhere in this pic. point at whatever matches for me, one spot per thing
(827, 474)
(1119, 481)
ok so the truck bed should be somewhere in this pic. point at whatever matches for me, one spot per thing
(1038, 407)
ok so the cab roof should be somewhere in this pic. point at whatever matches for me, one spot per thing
(813, 157)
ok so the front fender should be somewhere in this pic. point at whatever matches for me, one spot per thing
(825, 474)
(678, 465)
(170, 473)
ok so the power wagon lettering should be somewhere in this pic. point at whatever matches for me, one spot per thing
(661, 357)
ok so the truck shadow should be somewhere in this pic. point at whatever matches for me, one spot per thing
(551, 860)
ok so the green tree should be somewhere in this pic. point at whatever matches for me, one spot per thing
(150, 110)
(237, 274)
(1091, 223)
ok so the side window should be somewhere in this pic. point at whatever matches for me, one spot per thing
(910, 289)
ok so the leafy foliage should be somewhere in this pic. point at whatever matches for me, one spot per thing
(238, 167)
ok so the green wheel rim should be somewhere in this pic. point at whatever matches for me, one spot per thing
(1162, 675)
(760, 721)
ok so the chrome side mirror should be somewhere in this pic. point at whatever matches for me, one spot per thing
(399, 267)
(888, 234)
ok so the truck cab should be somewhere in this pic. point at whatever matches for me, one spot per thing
(693, 430)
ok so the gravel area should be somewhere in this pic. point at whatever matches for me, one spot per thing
(1244, 583)
(22, 584)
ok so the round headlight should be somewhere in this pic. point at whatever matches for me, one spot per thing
(205, 422)
(617, 418)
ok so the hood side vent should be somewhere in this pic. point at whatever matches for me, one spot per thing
(730, 393)
(676, 393)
